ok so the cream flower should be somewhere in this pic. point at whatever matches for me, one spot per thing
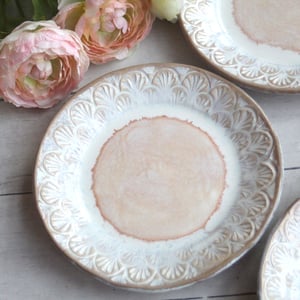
(167, 9)
(40, 64)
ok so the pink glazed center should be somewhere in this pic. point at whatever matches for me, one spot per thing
(158, 179)
(275, 23)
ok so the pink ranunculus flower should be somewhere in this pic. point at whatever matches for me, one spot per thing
(108, 28)
(40, 64)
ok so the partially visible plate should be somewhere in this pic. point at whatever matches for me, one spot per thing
(280, 271)
(69, 153)
(255, 43)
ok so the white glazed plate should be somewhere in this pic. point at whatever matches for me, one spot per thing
(280, 270)
(255, 43)
(144, 260)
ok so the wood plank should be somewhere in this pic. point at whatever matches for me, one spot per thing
(22, 129)
(173, 47)
(21, 133)
(33, 268)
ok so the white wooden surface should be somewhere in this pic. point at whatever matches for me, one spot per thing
(31, 267)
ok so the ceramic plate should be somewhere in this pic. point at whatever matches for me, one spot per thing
(158, 176)
(254, 43)
(280, 271)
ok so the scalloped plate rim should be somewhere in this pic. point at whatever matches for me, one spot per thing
(161, 66)
(271, 241)
(235, 77)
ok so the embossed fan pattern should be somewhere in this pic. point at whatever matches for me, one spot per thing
(205, 24)
(280, 274)
(164, 264)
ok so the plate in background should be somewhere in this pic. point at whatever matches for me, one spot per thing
(254, 43)
(280, 270)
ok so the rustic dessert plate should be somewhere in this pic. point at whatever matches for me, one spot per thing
(255, 43)
(280, 269)
(157, 176)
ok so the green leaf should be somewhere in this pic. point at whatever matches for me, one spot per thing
(12, 14)
(44, 9)
(15, 12)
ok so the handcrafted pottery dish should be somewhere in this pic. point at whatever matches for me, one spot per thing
(158, 176)
(254, 43)
(280, 270)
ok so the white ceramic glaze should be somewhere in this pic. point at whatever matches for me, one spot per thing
(250, 42)
(280, 270)
(71, 145)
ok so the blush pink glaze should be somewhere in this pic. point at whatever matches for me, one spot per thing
(275, 23)
(159, 178)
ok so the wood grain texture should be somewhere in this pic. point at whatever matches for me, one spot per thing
(33, 268)
(22, 131)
